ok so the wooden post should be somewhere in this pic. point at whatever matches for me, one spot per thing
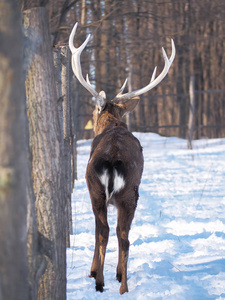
(67, 129)
(130, 84)
(191, 111)
(60, 57)
(73, 116)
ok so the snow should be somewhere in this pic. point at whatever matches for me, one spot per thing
(177, 238)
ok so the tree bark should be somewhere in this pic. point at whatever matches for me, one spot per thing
(13, 166)
(46, 152)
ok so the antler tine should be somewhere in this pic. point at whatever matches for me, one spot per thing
(122, 88)
(76, 66)
(153, 75)
(154, 81)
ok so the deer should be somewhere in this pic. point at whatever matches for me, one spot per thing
(115, 166)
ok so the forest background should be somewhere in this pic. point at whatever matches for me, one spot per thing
(44, 110)
(127, 37)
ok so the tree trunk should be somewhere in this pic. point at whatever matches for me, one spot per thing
(13, 166)
(46, 152)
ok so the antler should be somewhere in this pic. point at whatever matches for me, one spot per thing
(154, 81)
(76, 52)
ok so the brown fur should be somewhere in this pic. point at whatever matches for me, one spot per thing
(113, 148)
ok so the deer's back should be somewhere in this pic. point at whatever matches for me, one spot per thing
(116, 162)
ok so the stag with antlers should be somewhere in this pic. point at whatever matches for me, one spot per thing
(115, 165)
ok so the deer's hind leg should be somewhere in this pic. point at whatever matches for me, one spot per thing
(125, 217)
(101, 240)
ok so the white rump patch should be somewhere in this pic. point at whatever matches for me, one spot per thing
(119, 182)
(104, 178)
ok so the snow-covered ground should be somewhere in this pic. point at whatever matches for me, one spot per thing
(177, 238)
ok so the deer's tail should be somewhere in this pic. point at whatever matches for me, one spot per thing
(112, 176)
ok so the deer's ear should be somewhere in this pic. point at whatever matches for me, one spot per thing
(101, 106)
(129, 105)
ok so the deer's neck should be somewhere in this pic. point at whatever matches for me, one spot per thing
(108, 122)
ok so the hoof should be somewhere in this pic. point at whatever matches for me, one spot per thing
(93, 274)
(123, 289)
(99, 287)
(119, 277)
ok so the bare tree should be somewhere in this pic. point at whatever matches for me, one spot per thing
(46, 152)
